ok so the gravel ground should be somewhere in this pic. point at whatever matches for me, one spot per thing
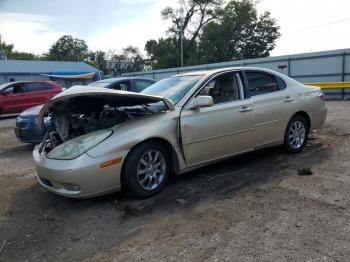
(249, 208)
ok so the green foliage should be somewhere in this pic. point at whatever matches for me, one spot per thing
(239, 33)
(163, 53)
(97, 59)
(133, 55)
(190, 17)
(214, 32)
(22, 56)
(5, 49)
(68, 48)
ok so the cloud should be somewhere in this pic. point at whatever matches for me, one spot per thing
(104, 26)
(29, 33)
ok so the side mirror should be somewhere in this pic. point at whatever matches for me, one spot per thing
(202, 101)
(4, 93)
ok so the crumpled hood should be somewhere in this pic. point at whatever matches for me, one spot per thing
(118, 97)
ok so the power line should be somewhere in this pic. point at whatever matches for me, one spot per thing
(320, 26)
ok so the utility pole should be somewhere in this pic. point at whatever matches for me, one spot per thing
(182, 45)
(181, 38)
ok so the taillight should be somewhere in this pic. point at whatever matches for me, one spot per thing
(322, 96)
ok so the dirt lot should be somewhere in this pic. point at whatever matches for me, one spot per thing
(250, 208)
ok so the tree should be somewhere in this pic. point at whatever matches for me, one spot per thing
(163, 53)
(133, 56)
(5, 49)
(190, 17)
(239, 33)
(98, 60)
(68, 48)
(23, 56)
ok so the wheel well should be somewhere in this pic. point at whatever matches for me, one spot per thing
(174, 161)
(305, 116)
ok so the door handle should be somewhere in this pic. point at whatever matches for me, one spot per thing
(245, 109)
(288, 99)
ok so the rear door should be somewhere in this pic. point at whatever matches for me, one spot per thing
(224, 129)
(36, 94)
(273, 104)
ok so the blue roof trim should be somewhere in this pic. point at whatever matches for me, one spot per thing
(43, 67)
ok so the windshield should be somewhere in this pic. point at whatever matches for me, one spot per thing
(100, 84)
(173, 88)
(3, 86)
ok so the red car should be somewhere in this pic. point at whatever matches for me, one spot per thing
(18, 96)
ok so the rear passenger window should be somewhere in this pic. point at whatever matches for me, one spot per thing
(260, 83)
(140, 85)
(30, 87)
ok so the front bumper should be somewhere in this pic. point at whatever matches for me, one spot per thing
(78, 178)
(29, 134)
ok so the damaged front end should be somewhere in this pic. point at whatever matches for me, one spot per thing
(81, 117)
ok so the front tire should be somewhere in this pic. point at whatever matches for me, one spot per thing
(146, 170)
(296, 134)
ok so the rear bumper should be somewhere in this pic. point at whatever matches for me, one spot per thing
(318, 118)
(78, 178)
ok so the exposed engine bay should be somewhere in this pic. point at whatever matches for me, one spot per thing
(84, 114)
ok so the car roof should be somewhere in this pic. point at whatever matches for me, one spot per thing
(30, 81)
(5, 85)
(214, 71)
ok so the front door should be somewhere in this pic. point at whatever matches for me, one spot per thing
(14, 100)
(224, 129)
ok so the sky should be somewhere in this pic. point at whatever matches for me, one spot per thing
(34, 25)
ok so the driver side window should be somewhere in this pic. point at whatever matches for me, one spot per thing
(125, 86)
(9, 90)
(223, 88)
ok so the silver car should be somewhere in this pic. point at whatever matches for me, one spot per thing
(103, 140)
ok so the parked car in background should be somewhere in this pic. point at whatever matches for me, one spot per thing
(123, 140)
(132, 84)
(18, 96)
(27, 129)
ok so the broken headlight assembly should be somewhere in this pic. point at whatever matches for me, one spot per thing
(79, 145)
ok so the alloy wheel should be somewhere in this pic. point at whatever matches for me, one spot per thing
(151, 169)
(297, 134)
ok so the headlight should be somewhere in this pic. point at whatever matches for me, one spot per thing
(79, 145)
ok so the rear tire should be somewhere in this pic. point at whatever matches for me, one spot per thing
(296, 134)
(146, 170)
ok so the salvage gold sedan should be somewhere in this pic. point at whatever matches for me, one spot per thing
(104, 140)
